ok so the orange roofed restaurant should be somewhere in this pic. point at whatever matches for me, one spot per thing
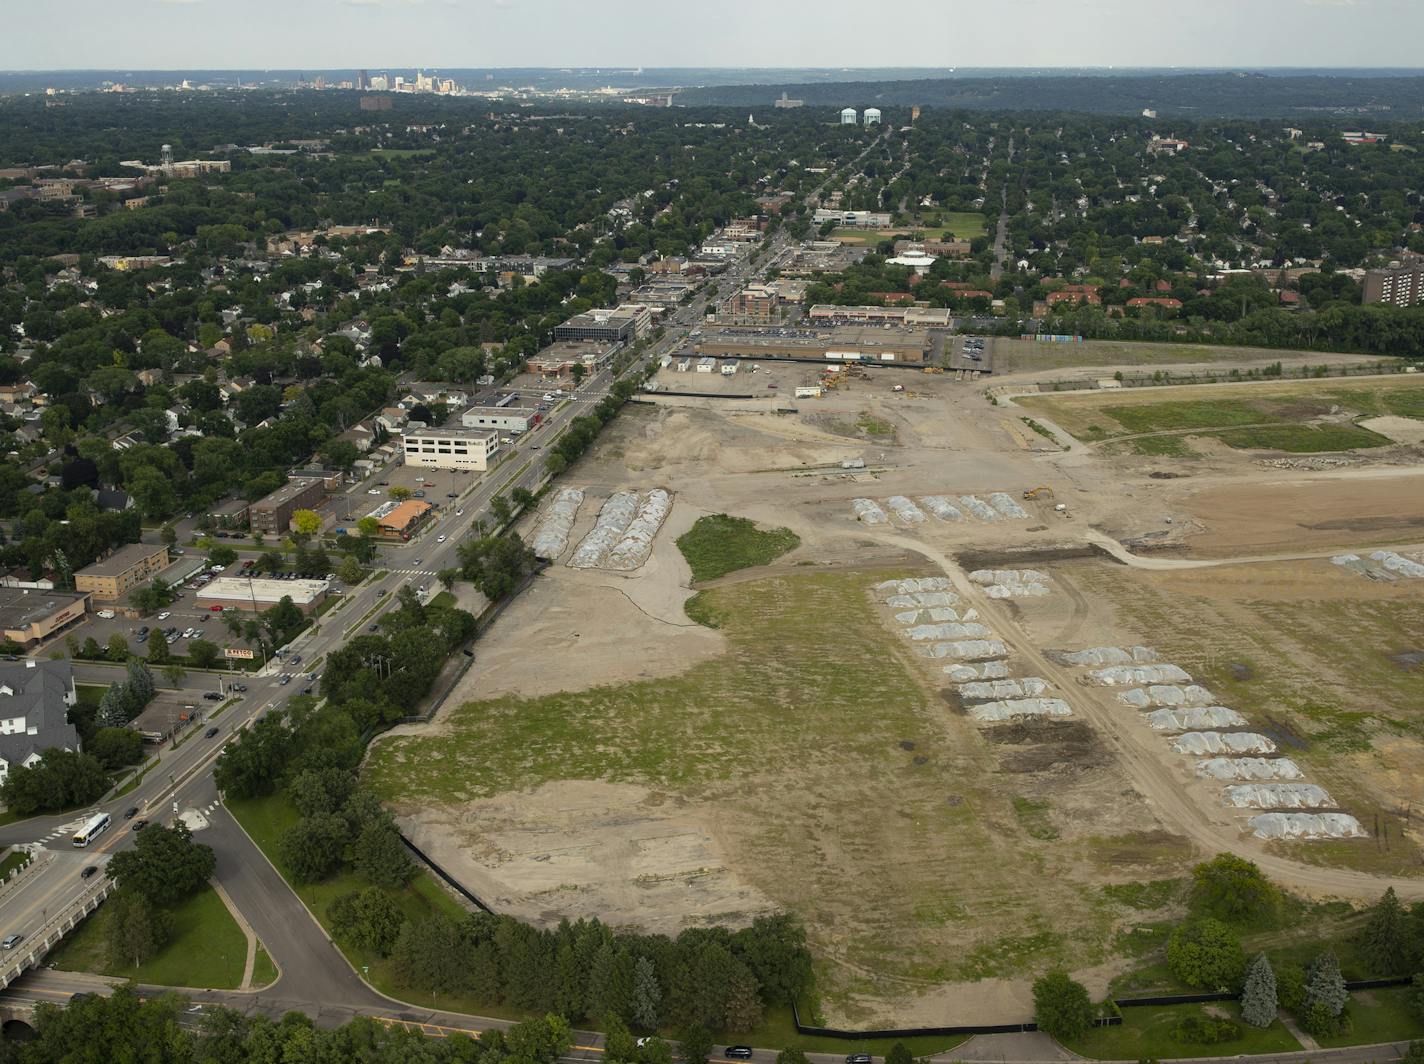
(401, 522)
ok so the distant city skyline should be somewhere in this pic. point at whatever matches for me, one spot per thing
(451, 34)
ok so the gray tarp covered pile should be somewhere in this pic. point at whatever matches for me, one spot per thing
(942, 508)
(1005, 504)
(1397, 563)
(910, 584)
(968, 650)
(923, 633)
(1278, 796)
(1020, 707)
(869, 512)
(905, 510)
(552, 536)
(984, 670)
(996, 690)
(979, 508)
(1138, 675)
(922, 599)
(1167, 695)
(1249, 768)
(636, 544)
(1188, 718)
(1099, 656)
(931, 616)
(613, 520)
(1011, 583)
(1306, 826)
(1205, 743)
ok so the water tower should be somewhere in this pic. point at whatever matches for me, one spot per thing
(872, 116)
(848, 116)
(165, 158)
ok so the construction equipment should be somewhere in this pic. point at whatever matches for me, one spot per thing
(1043, 491)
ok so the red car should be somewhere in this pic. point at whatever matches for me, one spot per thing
(215, 609)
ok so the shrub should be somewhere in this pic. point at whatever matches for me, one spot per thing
(1205, 1031)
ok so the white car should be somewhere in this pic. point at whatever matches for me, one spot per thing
(108, 615)
(548, 397)
(373, 491)
(164, 616)
(439, 539)
(459, 513)
(217, 568)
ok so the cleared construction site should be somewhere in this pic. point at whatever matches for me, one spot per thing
(1007, 666)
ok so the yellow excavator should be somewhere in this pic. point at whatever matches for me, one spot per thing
(1042, 491)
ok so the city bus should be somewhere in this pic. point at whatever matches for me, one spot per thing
(92, 828)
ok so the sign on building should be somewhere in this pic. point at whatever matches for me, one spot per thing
(241, 653)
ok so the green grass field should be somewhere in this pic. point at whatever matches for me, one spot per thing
(718, 544)
(207, 948)
(1378, 1016)
(962, 226)
(1012, 355)
(15, 859)
(264, 972)
(1300, 418)
(1146, 1034)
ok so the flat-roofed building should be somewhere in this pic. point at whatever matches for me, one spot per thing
(273, 514)
(228, 515)
(899, 346)
(515, 419)
(854, 219)
(830, 314)
(622, 324)
(255, 595)
(29, 616)
(111, 578)
(462, 448)
(558, 360)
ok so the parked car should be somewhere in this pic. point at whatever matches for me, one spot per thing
(737, 1052)
(164, 616)
(213, 696)
(858, 1058)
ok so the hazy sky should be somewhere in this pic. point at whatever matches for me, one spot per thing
(298, 34)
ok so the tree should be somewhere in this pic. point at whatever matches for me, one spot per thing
(113, 708)
(137, 930)
(312, 848)
(368, 527)
(320, 790)
(169, 535)
(1384, 939)
(695, 1046)
(115, 747)
(1258, 996)
(60, 779)
(222, 554)
(202, 654)
(158, 653)
(165, 865)
(647, 995)
(1234, 889)
(1325, 986)
(117, 649)
(501, 511)
(791, 1055)
(1415, 1053)
(1416, 997)
(175, 674)
(370, 919)
(399, 493)
(899, 1054)
(306, 522)
(350, 570)
(1061, 1006)
(1205, 953)
(429, 955)
(380, 856)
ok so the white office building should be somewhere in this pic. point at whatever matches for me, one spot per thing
(462, 449)
(515, 419)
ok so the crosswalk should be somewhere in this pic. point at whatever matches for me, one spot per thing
(416, 572)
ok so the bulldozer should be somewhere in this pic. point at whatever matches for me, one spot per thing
(1043, 491)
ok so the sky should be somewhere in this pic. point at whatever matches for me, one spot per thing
(379, 34)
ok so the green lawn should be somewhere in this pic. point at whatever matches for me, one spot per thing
(719, 544)
(89, 694)
(264, 972)
(1303, 439)
(1146, 1034)
(207, 948)
(17, 859)
(1379, 1016)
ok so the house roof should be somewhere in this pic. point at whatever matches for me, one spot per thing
(38, 691)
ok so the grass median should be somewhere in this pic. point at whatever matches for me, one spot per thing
(207, 949)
